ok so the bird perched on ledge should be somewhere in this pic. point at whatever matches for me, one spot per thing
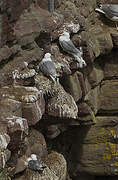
(48, 68)
(110, 11)
(35, 164)
(68, 46)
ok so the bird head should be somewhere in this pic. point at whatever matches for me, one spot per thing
(65, 34)
(99, 4)
(47, 55)
(33, 156)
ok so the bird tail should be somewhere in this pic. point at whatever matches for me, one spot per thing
(80, 60)
(99, 10)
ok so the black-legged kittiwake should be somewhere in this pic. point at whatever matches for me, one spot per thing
(110, 11)
(68, 46)
(35, 164)
(48, 68)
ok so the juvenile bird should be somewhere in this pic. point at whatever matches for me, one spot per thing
(68, 46)
(110, 11)
(48, 68)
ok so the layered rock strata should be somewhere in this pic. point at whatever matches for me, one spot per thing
(78, 116)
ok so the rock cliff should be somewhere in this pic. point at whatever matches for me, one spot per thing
(72, 126)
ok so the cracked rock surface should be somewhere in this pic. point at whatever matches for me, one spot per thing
(71, 126)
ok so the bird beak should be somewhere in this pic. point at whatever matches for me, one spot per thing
(60, 35)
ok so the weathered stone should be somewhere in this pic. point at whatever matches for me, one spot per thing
(21, 164)
(97, 42)
(114, 35)
(83, 109)
(33, 111)
(32, 101)
(57, 164)
(4, 141)
(70, 25)
(72, 86)
(44, 85)
(5, 53)
(62, 105)
(35, 144)
(86, 115)
(72, 9)
(20, 93)
(52, 131)
(47, 174)
(4, 175)
(85, 177)
(95, 75)
(8, 108)
(93, 99)
(26, 33)
(4, 152)
(56, 169)
(14, 10)
(109, 96)
(110, 65)
(4, 157)
(43, 4)
(3, 29)
(98, 152)
(35, 20)
(17, 63)
(85, 86)
(17, 124)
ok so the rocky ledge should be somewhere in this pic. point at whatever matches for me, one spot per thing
(71, 125)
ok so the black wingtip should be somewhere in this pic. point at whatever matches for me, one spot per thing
(98, 4)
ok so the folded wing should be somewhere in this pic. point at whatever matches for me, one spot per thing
(69, 47)
(110, 9)
(48, 68)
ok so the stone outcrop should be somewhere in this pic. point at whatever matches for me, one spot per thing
(78, 115)
(100, 140)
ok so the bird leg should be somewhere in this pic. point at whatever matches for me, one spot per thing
(80, 60)
(51, 6)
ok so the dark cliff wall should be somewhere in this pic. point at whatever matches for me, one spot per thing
(77, 116)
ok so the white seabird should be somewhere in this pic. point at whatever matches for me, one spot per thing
(68, 46)
(48, 68)
(110, 11)
(35, 164)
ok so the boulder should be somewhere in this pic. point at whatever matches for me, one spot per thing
(110, 65)
(93, 99)
(62, 105)
(57, 164)
(56, 169)
(108, 96)
(72, 86)
(95, 152)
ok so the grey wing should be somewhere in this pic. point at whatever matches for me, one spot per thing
(69, 47)
(48, 68)
(110, 9)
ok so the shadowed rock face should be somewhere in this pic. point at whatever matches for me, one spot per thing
(79, 114)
